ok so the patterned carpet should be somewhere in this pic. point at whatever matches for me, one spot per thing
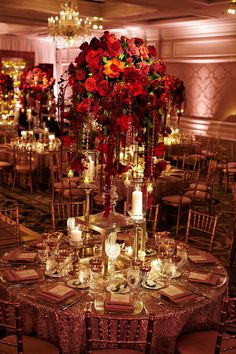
(35, 215)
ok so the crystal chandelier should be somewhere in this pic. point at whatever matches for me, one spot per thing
(231, 10)
(69, 25)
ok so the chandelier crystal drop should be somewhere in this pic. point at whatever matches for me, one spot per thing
(68, 26)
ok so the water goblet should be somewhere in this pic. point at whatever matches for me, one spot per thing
(168, 270)
(133, 275)
(112, 251)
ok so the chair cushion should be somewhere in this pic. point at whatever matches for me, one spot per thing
(24, 168)
(200, 195)
(116, 351)
(4, 164)
(176, 199)
(201, 342)
(77, 193)
(64, 184)
(200, 186)
(32, 345)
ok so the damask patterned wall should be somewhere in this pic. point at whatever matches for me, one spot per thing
(210, 89)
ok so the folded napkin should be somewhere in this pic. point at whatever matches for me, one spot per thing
(21, 256)
(177, 294)
(206, 278)
(202, 258)
(20, 275)
(57, 293)
(119, 303)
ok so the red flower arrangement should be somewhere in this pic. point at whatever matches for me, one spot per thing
(37, 85)
(6, 84)
(124, 86)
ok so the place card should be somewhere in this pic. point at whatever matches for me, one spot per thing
(21, 275)
(57, 293)
(119, 303)
(120, 299)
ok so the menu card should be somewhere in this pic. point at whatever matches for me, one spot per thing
(21, 256)
(177, 294)
(21, 275)
(57, 293)
(206, 278)
(119, 303)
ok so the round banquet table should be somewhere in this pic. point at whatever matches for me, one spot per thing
(42, 163)
(67, 328)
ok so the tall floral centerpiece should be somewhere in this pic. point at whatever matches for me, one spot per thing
(122, 86)
(37, 90)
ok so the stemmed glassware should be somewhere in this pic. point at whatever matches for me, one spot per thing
(168, 270)
(133, 276)
(112, 251)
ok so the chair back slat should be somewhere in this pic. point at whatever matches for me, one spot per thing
(10, 320)
(226, 341)
(10, 227)
(204, 223)
(110, 332)
(63, 211)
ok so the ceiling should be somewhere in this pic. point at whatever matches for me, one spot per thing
(29, 18)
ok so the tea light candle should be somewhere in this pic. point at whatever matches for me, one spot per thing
(155, 264)
(129, 250)
(24, 134)
(70, 174)
(86, 180)
(137, 202)
(150, 188)
(141, 255)
(51, 137)
(76, 235)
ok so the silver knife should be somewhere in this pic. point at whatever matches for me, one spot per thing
(66, 306)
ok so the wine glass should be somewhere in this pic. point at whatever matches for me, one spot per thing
(168, 270)
(133, 275)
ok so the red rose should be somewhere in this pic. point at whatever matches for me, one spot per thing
(80, 74)
(90, 84)
(114, 49)
(152, 51)
(136, 89)
(103, 88)
(159, 149)
(124, 122)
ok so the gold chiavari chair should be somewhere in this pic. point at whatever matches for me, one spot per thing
(10, 227)
(200, 224)
(62, 211)
(15, 342)
(180, 201)
(24, 166)
(118, 334)
(212, 341)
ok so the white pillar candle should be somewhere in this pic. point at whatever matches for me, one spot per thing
(137, 202)
(76, 235)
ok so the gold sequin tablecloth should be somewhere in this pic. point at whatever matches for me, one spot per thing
(67, 328)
